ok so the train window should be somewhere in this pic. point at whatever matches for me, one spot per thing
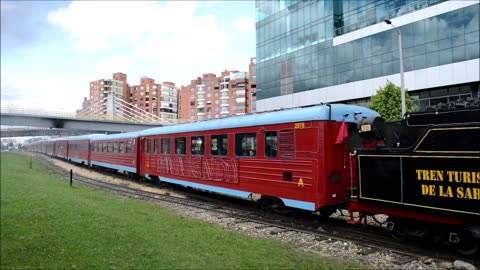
(148, 145)
(94, 147)
(120, 147)
(197, 143)
(155, 146)
(219, 145)
(246, 144)
(165, 146)
(271, 144)
(180, 145)
(128, 146)
(115, 147)
(104, 148)
(110, 147)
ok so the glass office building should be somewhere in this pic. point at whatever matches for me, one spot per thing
(309, 52)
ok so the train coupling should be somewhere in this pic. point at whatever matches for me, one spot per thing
(390, 225)
(454, 238)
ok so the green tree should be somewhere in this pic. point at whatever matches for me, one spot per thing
(387, 102)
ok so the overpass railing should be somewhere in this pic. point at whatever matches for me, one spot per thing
(44, 112)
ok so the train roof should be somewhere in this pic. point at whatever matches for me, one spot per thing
(127, 135)
(82, 137)
(339, 112)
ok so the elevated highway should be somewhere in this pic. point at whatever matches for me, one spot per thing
(54, 123)
(32, 132)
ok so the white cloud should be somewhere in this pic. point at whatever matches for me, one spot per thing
(211, 3)
(158, 36)
(49, 94)
(192, 39)
(112, 64)
(246, 24)
(102, 25)
(168, 41)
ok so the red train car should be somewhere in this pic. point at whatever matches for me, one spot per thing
(50, 147)
(117, 152)
(36, 147)
(60, 148)
(296, 158)
(79, 149)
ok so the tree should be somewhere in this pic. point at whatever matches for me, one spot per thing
(387, 102)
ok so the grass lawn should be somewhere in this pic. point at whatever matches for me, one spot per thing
(45, 224)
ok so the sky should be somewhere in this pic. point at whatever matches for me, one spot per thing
(51, 50)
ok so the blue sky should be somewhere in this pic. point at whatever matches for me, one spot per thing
(51, 50)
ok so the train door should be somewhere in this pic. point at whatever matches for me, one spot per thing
(141, 153)
(89, 153)
(337, 158)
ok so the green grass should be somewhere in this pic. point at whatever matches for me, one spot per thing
(45, 224)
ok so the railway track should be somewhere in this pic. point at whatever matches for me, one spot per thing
(370, 239)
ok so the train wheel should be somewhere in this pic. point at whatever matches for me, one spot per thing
(467, 246)
(273, 204)
(327, 211)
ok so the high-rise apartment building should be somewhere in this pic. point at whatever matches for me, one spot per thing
(103, 94)
(310, 52)
(211, 97)
(155, 98)
(118, 76)
(115, 97)
(208, 97)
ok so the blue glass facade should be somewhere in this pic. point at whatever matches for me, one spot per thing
(296, 52)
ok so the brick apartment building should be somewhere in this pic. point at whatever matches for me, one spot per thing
(211, 97)
(208, 97)
(100, 92)
(155, 98)
(130, 101)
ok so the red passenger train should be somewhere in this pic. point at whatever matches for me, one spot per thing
(297, 158)
(301, 159)
(116, 152)
(79, 149)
